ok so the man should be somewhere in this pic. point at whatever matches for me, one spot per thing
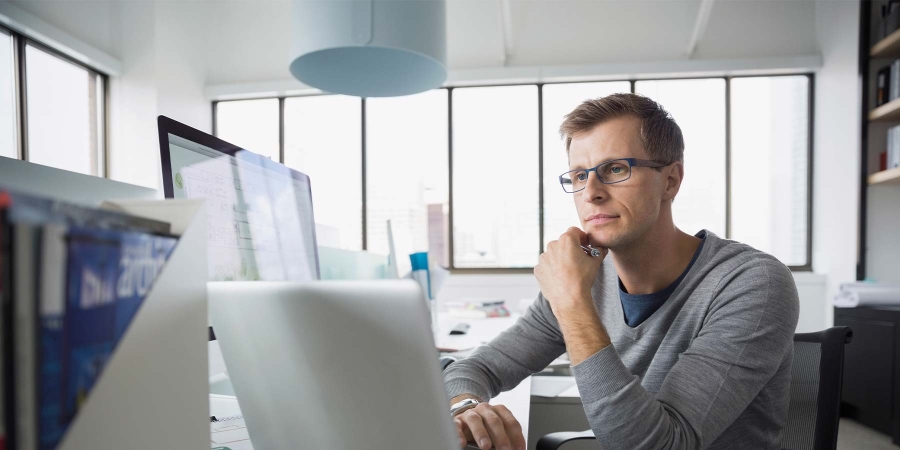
(676, 341)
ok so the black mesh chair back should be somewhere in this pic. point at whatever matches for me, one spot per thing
(816, 380)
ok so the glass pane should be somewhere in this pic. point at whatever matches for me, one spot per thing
(7, 98)
(63, 103)
(698, 107)
(495, 177)
(770, 165)
(407, 168)
(323, 139)
(559, 100)
(250, 124)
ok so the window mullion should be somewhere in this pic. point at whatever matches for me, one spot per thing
(365, 208)
(540, 93)
(21, 96)
(727, 157)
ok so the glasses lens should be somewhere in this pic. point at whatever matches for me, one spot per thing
(573, 181)
(614, 172)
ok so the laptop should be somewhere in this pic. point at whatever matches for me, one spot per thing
(333, 365)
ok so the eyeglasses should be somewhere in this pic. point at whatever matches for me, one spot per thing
(610, 172)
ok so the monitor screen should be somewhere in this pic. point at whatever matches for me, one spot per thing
(260, 223)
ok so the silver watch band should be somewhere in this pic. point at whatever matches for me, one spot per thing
(463, 405)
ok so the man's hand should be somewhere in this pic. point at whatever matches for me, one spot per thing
(489, 426)
(565, 273)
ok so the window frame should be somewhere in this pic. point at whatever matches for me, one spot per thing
(20, 65)
(807, 267)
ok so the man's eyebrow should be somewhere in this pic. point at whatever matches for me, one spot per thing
(579, 167)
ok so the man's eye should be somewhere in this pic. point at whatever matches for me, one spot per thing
(581, 176)
(616, 170)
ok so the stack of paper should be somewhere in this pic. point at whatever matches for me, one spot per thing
(852, 295)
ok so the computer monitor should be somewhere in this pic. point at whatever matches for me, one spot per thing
(260, 223)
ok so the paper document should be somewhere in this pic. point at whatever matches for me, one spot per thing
(228, 431)
(852, 295)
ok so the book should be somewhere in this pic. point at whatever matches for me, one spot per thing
(71, 280)
(24, 266)
(23, 208)
(5, 340)
(882, 94)
(894, 86)
(108, 273)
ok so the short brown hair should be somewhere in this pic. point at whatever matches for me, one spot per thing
(660, 134)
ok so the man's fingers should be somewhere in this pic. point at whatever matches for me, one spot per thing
(513, 428)
(475, 423)
(496, 428)
(461, 432)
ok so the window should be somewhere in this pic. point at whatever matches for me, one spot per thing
(406, 174)
(770, 165)
(64, 104)
(323, 139)
(495, 177)
(698, 107)
(7, 97)
(559, 100)
(59, 105)
(251, 125)
(479, 188)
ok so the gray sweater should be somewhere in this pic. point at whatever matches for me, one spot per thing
(710, 369)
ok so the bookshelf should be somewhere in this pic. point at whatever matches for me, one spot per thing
(887, 47)
(878, 257)
(888, 112)
(890, 176)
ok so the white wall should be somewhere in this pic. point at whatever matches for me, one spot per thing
(836, 146)
(161, 46)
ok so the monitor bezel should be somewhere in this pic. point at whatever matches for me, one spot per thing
(169, 126)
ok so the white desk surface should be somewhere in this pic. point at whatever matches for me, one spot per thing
(481, 331)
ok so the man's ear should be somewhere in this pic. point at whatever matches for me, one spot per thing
(674, 174)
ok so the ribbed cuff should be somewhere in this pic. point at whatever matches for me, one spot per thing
(602, 374)
(460, 386)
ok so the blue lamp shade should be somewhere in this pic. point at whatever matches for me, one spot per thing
(370, 48)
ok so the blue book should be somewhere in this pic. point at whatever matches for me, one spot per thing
(108, 274)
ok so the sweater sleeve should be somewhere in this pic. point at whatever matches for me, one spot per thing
(527, 347)
(745, 336)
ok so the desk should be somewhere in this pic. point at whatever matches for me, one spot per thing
(517, 400)
(480, 331)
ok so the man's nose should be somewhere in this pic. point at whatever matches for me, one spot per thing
(594, 189)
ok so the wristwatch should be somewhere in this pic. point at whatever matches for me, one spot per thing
(464, 405)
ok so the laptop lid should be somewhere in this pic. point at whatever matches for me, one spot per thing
(333, 364)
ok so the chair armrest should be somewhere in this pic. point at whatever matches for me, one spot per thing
(553, 441)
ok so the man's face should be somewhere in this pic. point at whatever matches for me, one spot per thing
(614, 215)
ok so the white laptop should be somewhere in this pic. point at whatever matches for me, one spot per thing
(333, 365)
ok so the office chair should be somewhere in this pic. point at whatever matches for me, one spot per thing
(814, 411)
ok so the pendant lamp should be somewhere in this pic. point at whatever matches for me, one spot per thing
(370, 48)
